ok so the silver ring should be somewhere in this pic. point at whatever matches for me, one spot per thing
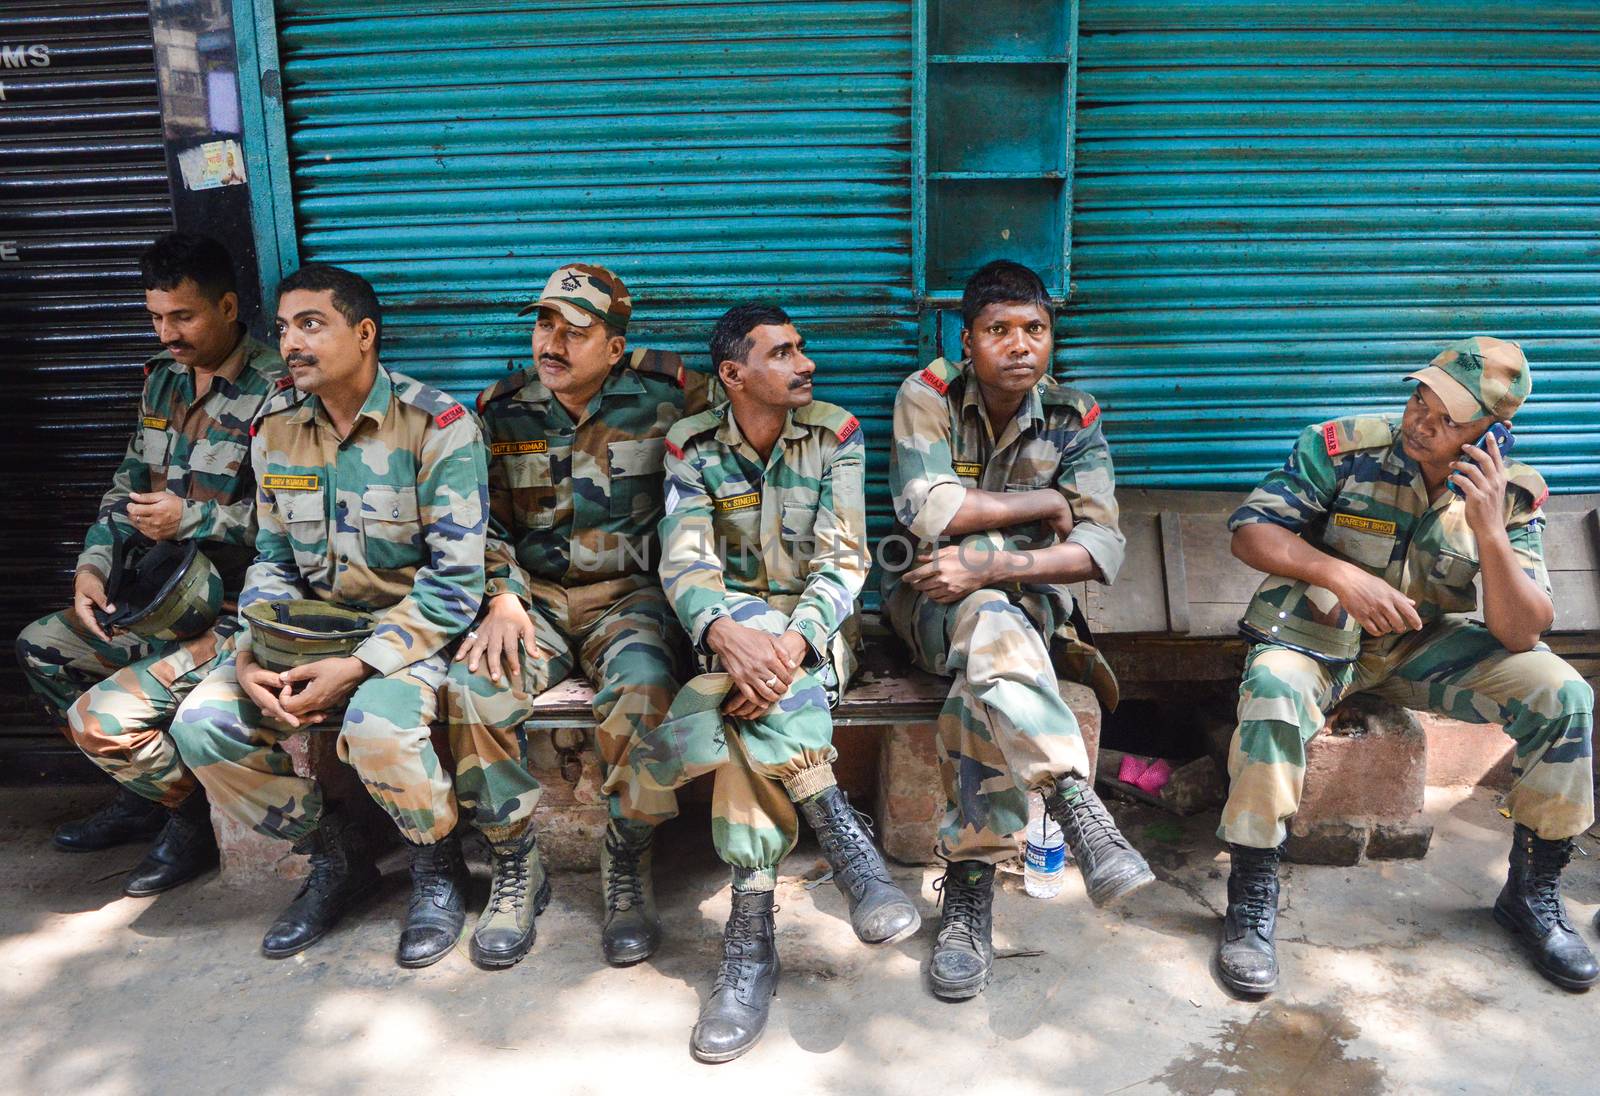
(773, 680)
(472, 635)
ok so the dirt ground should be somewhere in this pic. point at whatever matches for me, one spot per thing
(1395, 980)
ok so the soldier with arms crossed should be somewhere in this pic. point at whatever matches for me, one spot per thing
(992, 453)
(1373, 533)
(371, 497)
(763, 555)
(185, 477)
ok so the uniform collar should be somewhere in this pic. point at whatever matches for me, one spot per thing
(1029, 413)
(730, 435)
(373, 408)
(621, 381)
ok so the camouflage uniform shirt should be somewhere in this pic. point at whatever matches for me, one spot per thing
(944, 444)
(198, 451)
(790, 530)
(389, 520)
(567, 500)
(1350, 489)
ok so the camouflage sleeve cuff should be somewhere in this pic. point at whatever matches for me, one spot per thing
(702, 625)
(815, 635)
(944, 499)
(192, 525)
(95, 566)
(1105, 545)
(384, 657)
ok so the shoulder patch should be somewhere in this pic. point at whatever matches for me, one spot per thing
(1055, 394)
(445, 418)
(283, 382)
(424, 397)
(1528, 480)
(508, 385)
(662, 363)
(1359, 432)
(829, 416)
(687, 429)
(934, 381)
(675, 450)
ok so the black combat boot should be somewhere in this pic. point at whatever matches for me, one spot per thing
(127, 818)
(735, 1014)
(632, 930)
(186, 848)
(342, 874)
(1530, 908)
(963, 954)
(880, 912)
(438, 909)
(1111, 867)
(519, 890)
(1247, 957)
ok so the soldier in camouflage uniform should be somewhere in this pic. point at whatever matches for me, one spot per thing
(576, 445)
(1381, 524)
(993, 454)
(763, 555)
(371, 496)
(185, 476)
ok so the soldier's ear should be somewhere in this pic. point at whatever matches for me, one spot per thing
(228, 305)
(366, 334)
(616, 346)
(728, 372)
(966, 344)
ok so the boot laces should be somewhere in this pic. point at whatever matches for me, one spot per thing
(963, 911)
(508, 885)
(851, 845)
(624, 883)
(430, 873)
(738, 943)
(1091, 827)
(1545, 865)
(1256, 902)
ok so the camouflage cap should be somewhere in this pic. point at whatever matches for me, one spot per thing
(1477, 377)
(583, 293)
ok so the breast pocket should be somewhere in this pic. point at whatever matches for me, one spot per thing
(636, 471)
(799, 521)
(217, 458)
(157, 446)
(736, 519)
(533, 494)
(305, 520)
(1360, 539)
(391, 531)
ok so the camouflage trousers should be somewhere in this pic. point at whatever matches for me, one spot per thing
(633, 652)
(762, 766)
(236, 752)
(1452, 666)
(117, 698)
(1004, 730)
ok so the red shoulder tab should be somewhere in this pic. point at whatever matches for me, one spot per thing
(148, 368)
(282, 382)
(254, 425)
(674, 450)
(481, 401)
(935, 382)
(849, 428)
(446, 417)
(1092, 415)
(1542, 499)
(1330, 438)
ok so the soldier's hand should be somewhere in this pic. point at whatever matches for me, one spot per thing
(499, 639)
(1481, 476)
(741, 705)
(1379, 608)
(156, 514)
(89, 593)
(951, 573)
(262, 686)
(760, 667)
(310, 691)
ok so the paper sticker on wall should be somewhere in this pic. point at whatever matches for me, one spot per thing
(213, 164)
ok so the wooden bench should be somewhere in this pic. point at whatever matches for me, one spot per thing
(884, 730)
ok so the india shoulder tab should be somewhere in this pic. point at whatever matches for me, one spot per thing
(442, 406)
(685, 430)
(831, 417)
(1061, 395)
(1357, 432)
(661, 363)
(1528, 481)
(509, 385)
(939, 374)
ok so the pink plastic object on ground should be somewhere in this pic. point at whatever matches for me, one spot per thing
(1131, 769)
(1154, 778)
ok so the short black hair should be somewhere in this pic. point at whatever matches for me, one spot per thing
(353, 295)
(730, 339)
(1003, 282)
(177, 256)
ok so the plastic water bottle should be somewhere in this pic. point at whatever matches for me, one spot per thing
(1045, 860)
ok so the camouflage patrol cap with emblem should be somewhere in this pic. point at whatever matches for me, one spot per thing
(1477, 377)
(584, 293)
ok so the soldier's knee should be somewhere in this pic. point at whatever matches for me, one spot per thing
(33, 646)
(1278, 668)
(199, 729)
(1557, 688)
(985, 601)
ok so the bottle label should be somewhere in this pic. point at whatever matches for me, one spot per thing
(1048, 861)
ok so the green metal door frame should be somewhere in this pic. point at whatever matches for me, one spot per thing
(266, 144)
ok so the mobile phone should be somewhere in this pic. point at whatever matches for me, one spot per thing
(1503, 438)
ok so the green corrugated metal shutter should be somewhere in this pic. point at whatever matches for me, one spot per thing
(1279, 207)
(708, 152)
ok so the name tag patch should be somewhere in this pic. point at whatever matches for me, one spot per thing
(965, 468)
(155, 422)
(739, 502)
(510, 448)
(291, 483)
(1365, 525)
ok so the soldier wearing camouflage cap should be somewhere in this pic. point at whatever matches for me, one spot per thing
(1387, 520)
(763, 555)
(184, 487)
(370, 498)
(992, 453)
(575, 450)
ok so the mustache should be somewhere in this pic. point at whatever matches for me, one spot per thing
(555, 359)
(178, 346)
(800, 382)
(297, 358)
